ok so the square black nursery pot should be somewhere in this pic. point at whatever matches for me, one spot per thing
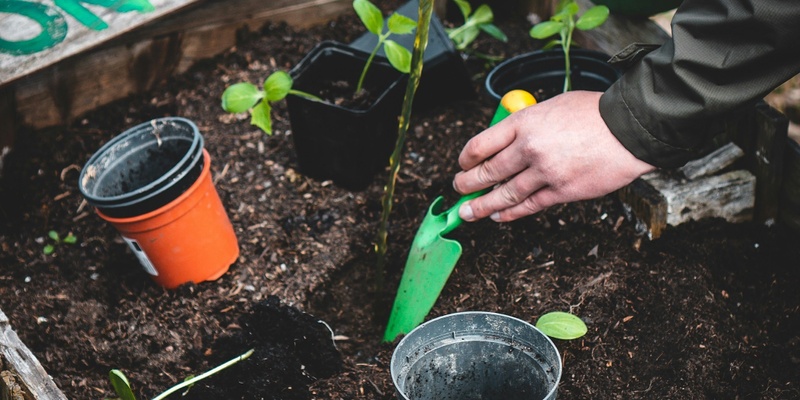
(334, 142)
(444, 76)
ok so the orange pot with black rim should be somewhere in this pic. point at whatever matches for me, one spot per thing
(153, 184)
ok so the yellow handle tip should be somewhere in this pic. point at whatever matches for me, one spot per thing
(516, 100)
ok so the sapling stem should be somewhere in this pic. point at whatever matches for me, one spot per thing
(204, 375)
(381, 38)
(420, 43)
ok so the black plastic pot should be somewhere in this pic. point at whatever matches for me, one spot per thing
(346, 145)
(444, 75)
(542, 73)
(143, 168)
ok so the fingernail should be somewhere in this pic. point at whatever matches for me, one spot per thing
(465, 212)
(495, 216)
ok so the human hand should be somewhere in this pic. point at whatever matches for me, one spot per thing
(557, 151)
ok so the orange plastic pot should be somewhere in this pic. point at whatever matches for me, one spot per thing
(190, 239)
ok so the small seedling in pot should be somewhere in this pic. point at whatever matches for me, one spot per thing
(50, 248)
(481, 20)
(564, 23)
(122, 386)
(397, 24)
(561, 325)
(245, 96)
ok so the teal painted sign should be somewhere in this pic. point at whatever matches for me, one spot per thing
(53, 24)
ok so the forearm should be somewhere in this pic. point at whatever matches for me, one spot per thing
(724, 55)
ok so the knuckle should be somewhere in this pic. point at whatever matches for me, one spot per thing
(532, 205)
(486, 174)
(509, 194)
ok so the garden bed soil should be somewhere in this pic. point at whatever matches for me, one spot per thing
(709, 310)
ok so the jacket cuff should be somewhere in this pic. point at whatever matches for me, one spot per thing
(620, 116)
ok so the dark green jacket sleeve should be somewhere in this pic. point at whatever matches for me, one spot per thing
(724, 55)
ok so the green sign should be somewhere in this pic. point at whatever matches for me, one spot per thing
(53, 24)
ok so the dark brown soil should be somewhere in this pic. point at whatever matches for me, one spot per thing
(709, 310)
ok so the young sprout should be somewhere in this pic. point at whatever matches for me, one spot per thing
(561, 325)
(397, 24)
(564, 23)
(123, 388)
(481, 20)
(245, 96)
(50, 248)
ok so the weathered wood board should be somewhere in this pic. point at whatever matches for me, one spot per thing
(141, 56)
(40, 33)
(660, 199)
(758, 147)
(17, 358)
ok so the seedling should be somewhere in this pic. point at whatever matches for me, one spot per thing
(123, 388)
(50, 248)
(245, 96)
(474, 23)
(397, 24)
(561, 325)
(564, 23)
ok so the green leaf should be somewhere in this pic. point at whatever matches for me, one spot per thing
(121, 385)
(53, 235)
(261, 117)
(592, 18)
(561, 325)
(465, 7)
(483, 15)
(465, 37)
(370, 15)
(400, 24)
(48, 249)
(70, 239)
(277, 86)
(240, 97)
(398, 56)
(569, 9)
(494, 32)
(545, 29)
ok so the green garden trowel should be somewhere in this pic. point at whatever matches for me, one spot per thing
(432, 256)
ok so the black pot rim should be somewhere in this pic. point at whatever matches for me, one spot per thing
(180, 169)
(575, 54)
(316, 52)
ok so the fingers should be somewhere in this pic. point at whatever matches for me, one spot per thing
(499, 168)
(535, 203)
(486, 144)
(504, 196)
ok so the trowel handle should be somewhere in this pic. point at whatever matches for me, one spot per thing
(511, 102)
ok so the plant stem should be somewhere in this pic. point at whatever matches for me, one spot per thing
(567, 43)
(420, 43)
(300, 93)
(381, 38)
(203, 376)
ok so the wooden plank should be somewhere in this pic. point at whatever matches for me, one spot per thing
(665, 197)
(772, 132)
(647, 206)
(730, 196)
(718, 160)
(19, 359)
(618, 32)
(790, 189)
(44, 33)
(139, 60)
